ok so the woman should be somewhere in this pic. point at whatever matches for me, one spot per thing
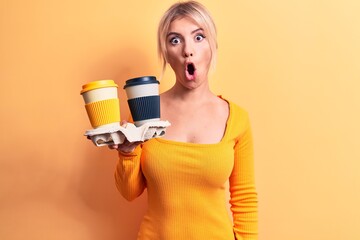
(209, 143)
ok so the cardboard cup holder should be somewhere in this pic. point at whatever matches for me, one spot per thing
(116, 134)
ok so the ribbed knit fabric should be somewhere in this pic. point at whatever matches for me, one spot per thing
(186, 185)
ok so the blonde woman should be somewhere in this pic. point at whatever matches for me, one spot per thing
(208, 144)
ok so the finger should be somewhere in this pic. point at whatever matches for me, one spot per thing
(128, 147)
(123, 123)
(125, 149)
(136, 143)
(113, 146)
(126, 143)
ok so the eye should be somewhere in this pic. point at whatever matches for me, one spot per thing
(175, 40)
(199, 37)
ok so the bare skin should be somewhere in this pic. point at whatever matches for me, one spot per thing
(190, 99)
(195, 113)
(203, 121)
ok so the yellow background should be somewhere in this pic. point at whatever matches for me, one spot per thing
(294, 65)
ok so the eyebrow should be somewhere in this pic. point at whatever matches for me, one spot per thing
(192, 32)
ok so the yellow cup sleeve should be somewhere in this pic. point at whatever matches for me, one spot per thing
(103, 112)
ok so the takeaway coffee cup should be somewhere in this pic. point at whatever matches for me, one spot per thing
(101, 103)
(143, 99)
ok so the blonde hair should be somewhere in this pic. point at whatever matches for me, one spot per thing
(199, 14)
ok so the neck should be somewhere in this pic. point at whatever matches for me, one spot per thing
(200, 93)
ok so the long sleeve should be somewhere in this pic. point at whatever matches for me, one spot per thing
(242, 188)
(129, 178)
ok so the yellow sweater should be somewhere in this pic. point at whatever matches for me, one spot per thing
(186, 185)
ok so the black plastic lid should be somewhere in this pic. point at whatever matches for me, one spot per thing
(141, 81)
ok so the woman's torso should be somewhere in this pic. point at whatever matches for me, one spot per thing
(186, 187)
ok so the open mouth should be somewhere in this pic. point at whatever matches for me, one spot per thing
(190, 68)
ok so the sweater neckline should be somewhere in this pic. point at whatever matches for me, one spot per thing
(225, 136)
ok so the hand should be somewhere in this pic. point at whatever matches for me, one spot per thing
(126, 146)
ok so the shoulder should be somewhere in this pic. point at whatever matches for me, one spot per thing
(239, 120)
(220, 105)
(236, 110)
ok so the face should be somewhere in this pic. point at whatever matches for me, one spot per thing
(188, 52)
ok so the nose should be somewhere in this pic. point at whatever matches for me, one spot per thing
(188, 50)
(188, 54)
